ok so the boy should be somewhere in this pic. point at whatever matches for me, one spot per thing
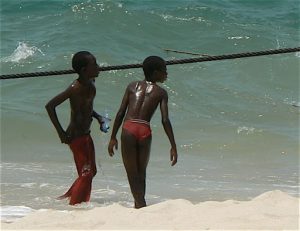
(139, 103)
(81, 95)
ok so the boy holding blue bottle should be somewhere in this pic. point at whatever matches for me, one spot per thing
(81, 94)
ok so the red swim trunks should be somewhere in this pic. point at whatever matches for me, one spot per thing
(139, 128)
(84, 157)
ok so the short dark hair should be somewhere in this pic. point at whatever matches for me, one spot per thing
(151, 64)
(79, 60)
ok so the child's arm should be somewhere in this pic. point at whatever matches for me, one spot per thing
(168, 127)
(50, 107)
(97, 116)
(118, 121)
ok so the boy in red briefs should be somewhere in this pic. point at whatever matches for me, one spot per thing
(139, 103)
(81, 95)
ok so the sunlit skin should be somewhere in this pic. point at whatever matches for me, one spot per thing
(140, 101)
(81, 94)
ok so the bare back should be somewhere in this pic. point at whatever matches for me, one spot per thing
(143, 99)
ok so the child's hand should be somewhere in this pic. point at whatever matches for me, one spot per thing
(173, 156)
(64, 138)
(112, 143)
(104, 124)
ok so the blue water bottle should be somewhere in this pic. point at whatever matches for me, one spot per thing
(104, 126)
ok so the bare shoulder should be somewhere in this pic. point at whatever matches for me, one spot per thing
(74, 86)
(162, 91)
(133, 85)
(72, 89)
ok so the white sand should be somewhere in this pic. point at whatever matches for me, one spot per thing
(273, 210)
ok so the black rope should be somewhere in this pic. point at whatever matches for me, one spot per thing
(169, 62)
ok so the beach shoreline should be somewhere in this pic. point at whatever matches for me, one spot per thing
(236, 122)
(273, 210)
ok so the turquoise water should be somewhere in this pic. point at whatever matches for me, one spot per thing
(236, 122)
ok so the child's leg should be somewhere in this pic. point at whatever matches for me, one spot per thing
(144, 147)
(135, 165)
(81, 190)
(84, 157)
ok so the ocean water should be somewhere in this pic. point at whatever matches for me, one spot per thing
(236, 122)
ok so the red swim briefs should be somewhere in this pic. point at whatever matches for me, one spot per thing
(139, 128)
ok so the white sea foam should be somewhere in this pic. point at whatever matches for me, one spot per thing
(245, 129)
(28, 185)
(168, 17)
(239, 37)
(291, 102)
(10, 213)
(22, 52)
(107, 191)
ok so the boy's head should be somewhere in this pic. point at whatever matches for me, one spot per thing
(85, 61)
(154, 68)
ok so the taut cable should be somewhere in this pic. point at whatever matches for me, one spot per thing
(169, 62)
